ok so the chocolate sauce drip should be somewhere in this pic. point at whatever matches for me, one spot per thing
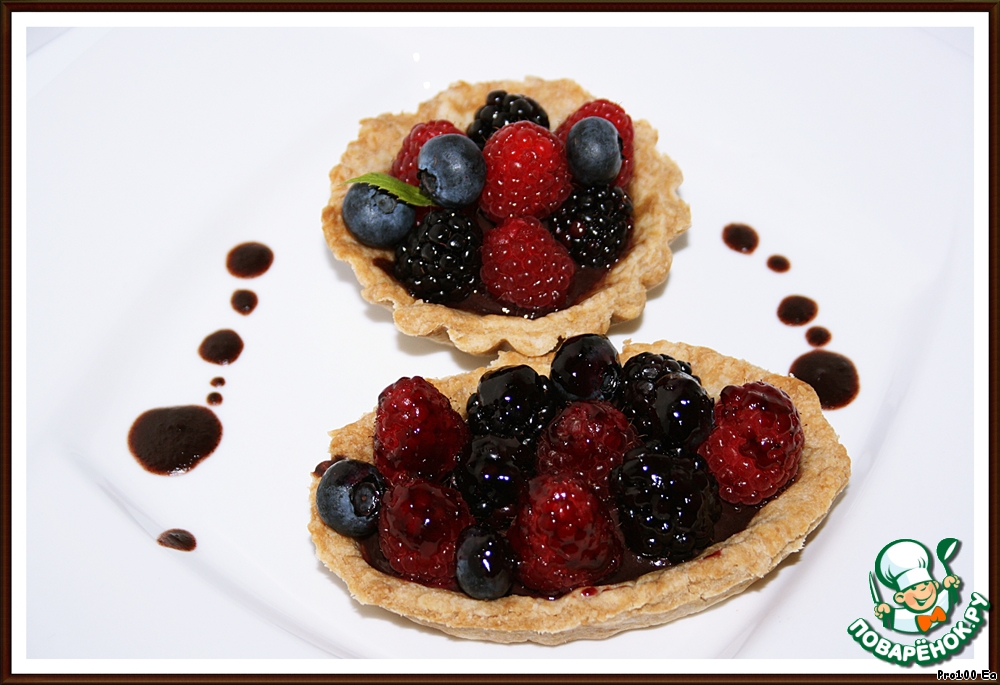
(218, 382)
(833, 376)
(244, 301)
(740, 237)
(778, 263)
(817, 336)
(173, 440)
(249, 260)
(796, 310)
(214, 398)
(177, 538)
(222, 347)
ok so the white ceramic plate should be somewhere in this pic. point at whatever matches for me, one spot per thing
(151, 152)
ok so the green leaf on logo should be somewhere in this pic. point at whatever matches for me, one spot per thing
(411, 195)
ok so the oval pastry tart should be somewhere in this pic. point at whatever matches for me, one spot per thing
(574, 495)
(529, 211)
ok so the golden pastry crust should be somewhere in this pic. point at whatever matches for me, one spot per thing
(659, 217)
(721, 571)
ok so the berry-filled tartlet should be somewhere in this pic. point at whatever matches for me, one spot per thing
(506, 215)
(577, 494)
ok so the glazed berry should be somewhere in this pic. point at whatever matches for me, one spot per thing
(594, 151)
(563, 536)
(504, 108)
(375, 217)
(755, 447)
(623, 123)
(524, 266)
(419, 529)
(594, 223)
(417, 433)
(439, 260)
(637, 392)
(586, 367)
(512, 402)
(404, 166)
(667, 507)
(485, 563)
(349, 497)
(451, 170)
(683, 410)
(526, 173)
(490, 480)
(586, 440)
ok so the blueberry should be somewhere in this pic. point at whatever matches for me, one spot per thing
(485, 563)
(349, 497)
(586, 367)
(375, 216)
(594, 151)
(451, 170)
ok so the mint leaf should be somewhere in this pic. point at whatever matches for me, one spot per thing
(411, 195)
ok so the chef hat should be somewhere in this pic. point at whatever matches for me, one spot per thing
(903, 563)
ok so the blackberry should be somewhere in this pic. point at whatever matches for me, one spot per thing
(586, 367)
(503, 108)
(594, 224)
(667, 506)
(439, 261)
(490, 480)
(512, 402)
(636, 392)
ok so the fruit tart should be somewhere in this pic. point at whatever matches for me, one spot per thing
(574, 495)
(506, 215)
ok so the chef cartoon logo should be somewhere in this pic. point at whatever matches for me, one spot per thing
(922, 602)
(908, 598)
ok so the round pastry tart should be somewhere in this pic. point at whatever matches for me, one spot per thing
(540, 213)
(574, 495)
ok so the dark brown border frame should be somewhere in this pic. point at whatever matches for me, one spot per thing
(11, 6)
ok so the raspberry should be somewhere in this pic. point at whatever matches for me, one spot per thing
(512, 402)
(419, 528)
(594, 224)
(667, 505)
(439, 260)
(622, 121)
(526, 172)
(504, 108)
(755, 447)
(404, 167)
(417, 433)
(524, 266)
(586, 440)
(564, 536)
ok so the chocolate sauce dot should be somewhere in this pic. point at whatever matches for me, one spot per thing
(244, 301)
(796, 310)
(833, 376)
(177, 538)
(249, 260)
(817, 336)
(214, 398)
(778, 263)
(218, 382)
(222, 347)
(740, 237)
(172, 440)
